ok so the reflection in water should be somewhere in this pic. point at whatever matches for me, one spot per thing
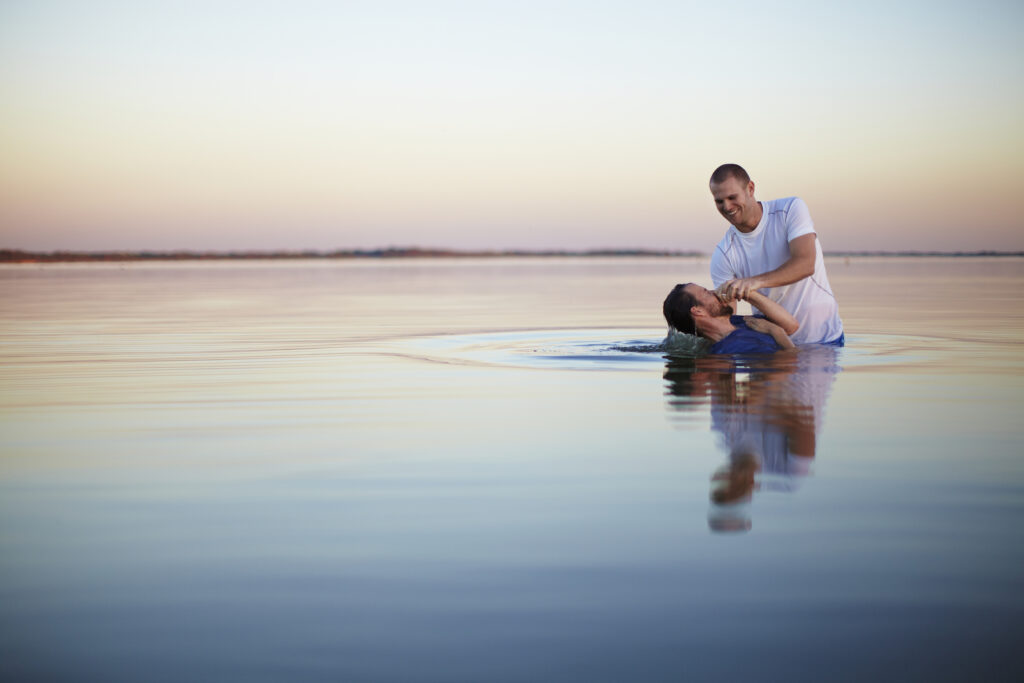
(767, 414)
(298, 471)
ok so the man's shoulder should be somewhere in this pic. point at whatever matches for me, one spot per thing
(788, 217)
(782, 205)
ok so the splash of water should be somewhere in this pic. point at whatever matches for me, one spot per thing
(683, 344)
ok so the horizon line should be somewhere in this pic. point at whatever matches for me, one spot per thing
(68, 255)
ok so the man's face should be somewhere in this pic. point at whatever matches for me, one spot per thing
(736, 202)
(708, 301)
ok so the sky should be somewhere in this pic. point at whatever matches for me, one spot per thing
(505, 125)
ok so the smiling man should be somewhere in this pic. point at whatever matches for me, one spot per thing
(772, 247)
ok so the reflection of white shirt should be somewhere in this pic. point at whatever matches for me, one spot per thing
(744, 429)
(742, 433)
(766, 248)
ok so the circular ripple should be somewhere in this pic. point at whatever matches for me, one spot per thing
(609, 349)
(642, 349)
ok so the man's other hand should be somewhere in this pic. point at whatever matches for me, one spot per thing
(762, 325)
(738, 289)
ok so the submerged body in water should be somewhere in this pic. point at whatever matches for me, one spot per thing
(693, 309)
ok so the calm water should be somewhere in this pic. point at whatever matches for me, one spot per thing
(488, 471)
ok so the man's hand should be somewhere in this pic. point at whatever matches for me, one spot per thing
(766, 327)
(722, 296)
(739, 289)
(761, 325)
(773, 311)
(802, 255)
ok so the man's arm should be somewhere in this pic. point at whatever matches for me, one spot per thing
(802, 255)
(773, 311)
(776, 332)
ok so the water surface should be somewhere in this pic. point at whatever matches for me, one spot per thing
(488, 470)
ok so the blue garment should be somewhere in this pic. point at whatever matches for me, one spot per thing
(745, 340)
(838, 341)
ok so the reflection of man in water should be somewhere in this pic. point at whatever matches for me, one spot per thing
(773, 246)
(766, 420)
(693, 309)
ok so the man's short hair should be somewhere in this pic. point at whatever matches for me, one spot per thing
(726, 171)
(677, 309)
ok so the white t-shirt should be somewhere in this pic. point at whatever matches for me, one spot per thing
(810, 300)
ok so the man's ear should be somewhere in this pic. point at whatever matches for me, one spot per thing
(698, 312)
(750, 188)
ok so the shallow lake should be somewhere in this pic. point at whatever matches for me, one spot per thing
(489, 470)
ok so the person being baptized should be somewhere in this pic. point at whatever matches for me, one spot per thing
(693, 309)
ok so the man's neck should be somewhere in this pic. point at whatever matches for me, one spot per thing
(715, 329)
(745, 228)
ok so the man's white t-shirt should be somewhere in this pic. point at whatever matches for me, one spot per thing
(765, 248)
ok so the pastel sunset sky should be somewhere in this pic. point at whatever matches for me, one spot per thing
(575, 125)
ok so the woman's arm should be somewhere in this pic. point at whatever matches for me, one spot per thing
(773, 311)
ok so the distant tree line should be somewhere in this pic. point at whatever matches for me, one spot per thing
(20, 256)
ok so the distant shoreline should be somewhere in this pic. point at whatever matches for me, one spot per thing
(20, 256)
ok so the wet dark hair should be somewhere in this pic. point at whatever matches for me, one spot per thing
(726, 171)
(677, 309)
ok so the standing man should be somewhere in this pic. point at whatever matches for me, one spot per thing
(772, 246)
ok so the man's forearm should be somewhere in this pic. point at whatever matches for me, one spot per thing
(802, 257)
(781, 338)
(773, 311)
(789, 272)
(770, 328)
